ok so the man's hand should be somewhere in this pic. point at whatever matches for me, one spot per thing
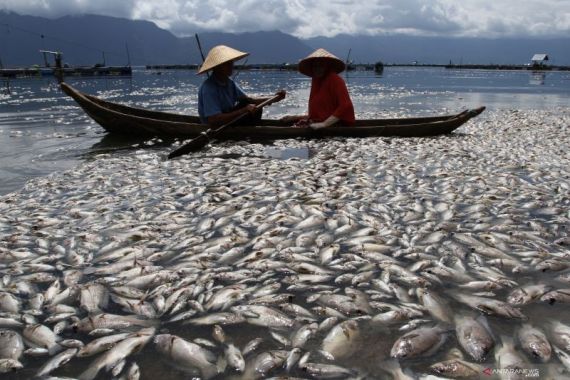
(281, 94)
(317, 126)
(250, 108)
(331, 120)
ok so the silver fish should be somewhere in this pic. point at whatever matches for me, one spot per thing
(527, 294)
(101, 344)
(11, 344)
(343, 339)
(473, 337)
(57, 361)
(42, 336)
(457, 369)
(534, 342)
(133, 343)
(423, 341)
(326, 371)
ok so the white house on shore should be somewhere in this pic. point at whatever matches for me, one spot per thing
(539, 59)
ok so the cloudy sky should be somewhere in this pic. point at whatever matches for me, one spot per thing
(309, 18)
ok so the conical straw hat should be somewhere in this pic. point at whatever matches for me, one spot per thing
(220, 54)
(306, 64)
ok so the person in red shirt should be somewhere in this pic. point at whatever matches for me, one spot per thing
(329, 101)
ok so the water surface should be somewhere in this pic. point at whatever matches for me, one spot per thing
(43, 131)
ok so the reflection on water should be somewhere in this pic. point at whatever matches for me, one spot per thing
(537, 78)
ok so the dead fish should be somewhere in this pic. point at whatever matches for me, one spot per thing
(11, 344)
(292, 358)
(457, 369)
(9, 303)
(133, 343)
(423, 341)
(490, 306)
(436, 306)
(326, 371)
(224, 318)
(552, 265)
(527, 294)
(42, 336)
(342, 340)
(111, 321)
(56, 362)
(263, 316)
(101, 344)
(534, 342)
(93, 298)
(187, 354)
(264, 363)
(558, 295)
(474, 337)
(303, 334)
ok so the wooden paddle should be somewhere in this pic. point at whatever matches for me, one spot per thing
(199, 142)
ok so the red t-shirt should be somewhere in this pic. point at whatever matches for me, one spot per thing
(329, 96)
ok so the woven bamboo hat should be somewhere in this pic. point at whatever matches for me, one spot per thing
(218, 55)
(306, 64)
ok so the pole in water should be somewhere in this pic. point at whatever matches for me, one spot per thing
(128, 55)
(58, 67)
(201, 52)
(45, 59)
(6, 81)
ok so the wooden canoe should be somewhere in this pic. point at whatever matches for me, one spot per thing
(130, 121)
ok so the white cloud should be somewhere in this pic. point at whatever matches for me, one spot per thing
(309, 18)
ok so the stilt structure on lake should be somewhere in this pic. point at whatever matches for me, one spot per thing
(7, 90)
(65, 70)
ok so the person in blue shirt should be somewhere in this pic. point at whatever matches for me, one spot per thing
(220, 99)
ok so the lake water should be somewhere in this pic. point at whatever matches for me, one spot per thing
(43, 131)
(483, 212)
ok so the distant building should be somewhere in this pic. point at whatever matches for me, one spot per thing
(538, 60)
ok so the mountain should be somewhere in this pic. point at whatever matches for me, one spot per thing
(83, 39)
(442, 50)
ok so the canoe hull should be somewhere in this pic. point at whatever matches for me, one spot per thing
(130, 121)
